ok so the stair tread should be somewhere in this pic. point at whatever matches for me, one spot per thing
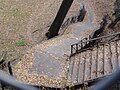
(100, 68)
(99, 61)
(114, 56)
(94, 65)
(88, 65)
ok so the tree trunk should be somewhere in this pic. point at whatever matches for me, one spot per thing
(54, 29)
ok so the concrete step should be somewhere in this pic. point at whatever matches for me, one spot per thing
(118, 49)
(70, 71)
(75, 69)
(88, 65)
(100, 63)
(107, 60)
(101, 60)
(114, 56)
(81, 68)
(94, 61)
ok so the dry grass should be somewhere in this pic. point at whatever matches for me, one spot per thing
(18, 20)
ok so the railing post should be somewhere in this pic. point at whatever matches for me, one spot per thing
(10, 68)
(81, 44)
(86, 43)
(2, 86)
(71, 49)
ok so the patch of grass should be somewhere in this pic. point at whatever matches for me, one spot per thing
(21, 43)
(16, 14)
(1, 1)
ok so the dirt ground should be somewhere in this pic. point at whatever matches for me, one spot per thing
(23, 23)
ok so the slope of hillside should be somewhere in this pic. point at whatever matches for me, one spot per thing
(41, 67)
(24, 24)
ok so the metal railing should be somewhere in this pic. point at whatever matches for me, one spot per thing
(79, 47)
(86, 43)
(107, 82)
(12, 83)
(103, 83)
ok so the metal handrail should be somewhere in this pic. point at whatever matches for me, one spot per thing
(100, 38)
(7, 80)
(86, 41)
(107, 82)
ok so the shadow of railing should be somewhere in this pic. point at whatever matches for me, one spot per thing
(74, 19)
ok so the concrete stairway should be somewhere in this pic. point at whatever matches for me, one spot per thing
(90, 64)
(44, 64)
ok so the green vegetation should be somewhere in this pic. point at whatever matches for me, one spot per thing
(117, 13)
(16, 13)
(1, 1)
(21, 43)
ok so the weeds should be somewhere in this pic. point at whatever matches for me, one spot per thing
(21, 43)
